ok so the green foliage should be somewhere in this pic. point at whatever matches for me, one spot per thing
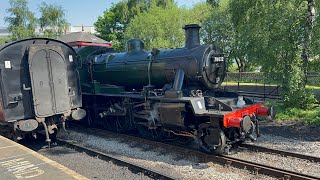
(112, 25)
(161, 27)
(52, 21)
(301, 99)
(309, 116)
(3, 40)
(315, 43)
(198, 14)
(219, 30)
(155, 30)
(271, 34)
(233, 68)
(22, 22)
(214, 3)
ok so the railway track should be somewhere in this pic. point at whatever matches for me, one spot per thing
(280, 152)
(253, 167)
(135, 168)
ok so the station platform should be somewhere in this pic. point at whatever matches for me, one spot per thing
(19, 162)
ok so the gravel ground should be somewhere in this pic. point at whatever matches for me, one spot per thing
(289, 129)
(90, 167)
(289, 163)
(159, 159)
(289, 144)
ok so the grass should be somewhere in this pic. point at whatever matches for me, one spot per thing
(312, 87)
(308, 116)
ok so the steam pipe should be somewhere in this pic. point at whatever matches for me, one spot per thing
(149, 69)
(48, 140)
(178, 80)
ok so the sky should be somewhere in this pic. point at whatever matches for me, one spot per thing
(77, 12)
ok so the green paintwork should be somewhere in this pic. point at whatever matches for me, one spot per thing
(88, 85)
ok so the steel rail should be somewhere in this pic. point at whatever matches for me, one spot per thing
(135, 168)
(258, 168)
(255, 168)
(280, 152)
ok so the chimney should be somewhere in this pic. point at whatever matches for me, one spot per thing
(192, 35)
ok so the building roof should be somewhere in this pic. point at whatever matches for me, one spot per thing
(83, 39)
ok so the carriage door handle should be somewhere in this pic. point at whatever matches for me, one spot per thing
(26, 88)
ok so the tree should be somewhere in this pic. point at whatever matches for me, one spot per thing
(155, 28)
(52, 21)
(214, 3)
(273, 34)
(310, 21)
(316, 33)
(22, 22)
(219, 30)
(112, 25)
(161, 27)
(315, 43)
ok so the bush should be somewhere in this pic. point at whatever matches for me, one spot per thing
(303, 99)
(309, 116)
(3, 40)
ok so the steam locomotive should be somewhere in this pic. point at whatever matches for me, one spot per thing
(39, 87)
(171, 93)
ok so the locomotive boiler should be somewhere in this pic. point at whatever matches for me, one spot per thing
(39, 87)
(203, 66)
(168, 93)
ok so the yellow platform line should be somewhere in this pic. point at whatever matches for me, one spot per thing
(48, 161)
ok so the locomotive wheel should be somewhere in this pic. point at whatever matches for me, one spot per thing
(116, 124)
(211, 140)
(252, 134)
(87, 121)
(152, 134)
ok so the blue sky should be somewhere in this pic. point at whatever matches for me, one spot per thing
(78, 12)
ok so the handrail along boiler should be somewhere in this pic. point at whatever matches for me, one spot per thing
(167, 93)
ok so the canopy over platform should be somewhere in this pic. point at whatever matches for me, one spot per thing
(80, 39)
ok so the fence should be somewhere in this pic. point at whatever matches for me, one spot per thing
(263, 85)
(260, 77)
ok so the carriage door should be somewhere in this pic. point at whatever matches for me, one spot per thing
(48, 72)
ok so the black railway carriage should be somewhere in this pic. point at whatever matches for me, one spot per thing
(39, 86)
